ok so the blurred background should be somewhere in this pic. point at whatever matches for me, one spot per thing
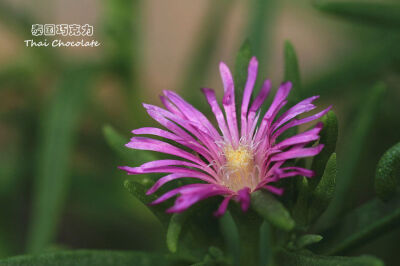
(59, 182)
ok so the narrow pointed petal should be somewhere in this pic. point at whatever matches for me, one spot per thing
(244, 198)
(223, 206)
(248, 90)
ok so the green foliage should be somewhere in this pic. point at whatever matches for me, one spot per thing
(117, 142)
(362, 125)
(273, 211)
(240, 74)
(386, 15)
(59, 129)
(138, 190)
(388, 173)
(309, 259)
(94, 258)
(328, 137)
(324, 191)
(307, 240)
(292, 72)
(365, 223)
(174, 230)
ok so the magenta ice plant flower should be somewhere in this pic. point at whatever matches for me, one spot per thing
(231, 162)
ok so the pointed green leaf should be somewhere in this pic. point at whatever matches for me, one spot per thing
(306, 240)
(292, 72)
(139, 191)
(59, 128)
(328, 137)
(241, 70)
(272, 210)
(174, 230)
(94, 258)
(324, 192)
(309, 259)
(381, 14)
(361, 225)
(117, 142)
(388, 173)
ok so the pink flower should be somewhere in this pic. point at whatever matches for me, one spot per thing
(230, 162)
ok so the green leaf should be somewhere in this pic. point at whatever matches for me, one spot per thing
(324, 192)
(306, 240)
(272, 210)
(241, 70)
(139, 191)
(287, 258)
(94, 258)
(261, 18)
(231, 236)
(328, 137)
(292, 72)
(361, 225)
(388, 173)
(361, 126)
(362, 65)
(60, 125)
(174, 230)
(117, 142)
(386, 15)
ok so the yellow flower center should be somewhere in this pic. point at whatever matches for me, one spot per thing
(239, 170)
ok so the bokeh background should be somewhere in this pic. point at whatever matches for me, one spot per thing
(59, 182)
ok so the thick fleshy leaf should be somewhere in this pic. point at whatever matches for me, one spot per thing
(139, 191)
(361, 126)
(174, 230)
(56, 144)
(271, 210)
(328, 137)
(309, 259)
(117, 142)
(94, 258)
(388, 173)
(325, 190)
(231, 236)
(365, 223)
(380, 14)
(306, 240)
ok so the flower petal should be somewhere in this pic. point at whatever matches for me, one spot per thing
(223, 206)
(297, 153)
(248, 89)
(229, 102)
(244, 198)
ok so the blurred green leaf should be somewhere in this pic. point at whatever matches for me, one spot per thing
(325, 190)
(309, 259)
(241, 70)
(260, 24)
(117, 142)
(386, 15)
(94, 258)
(271, 210)
(361, 225)
(388, 173)
(308, 239)
(174, 230)
(55, 146)
(292, 72)
(204, 49)
(139, 191)
(361, 126)
(363, 65)
(328, 137)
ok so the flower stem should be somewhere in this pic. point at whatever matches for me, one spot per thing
(248, 225)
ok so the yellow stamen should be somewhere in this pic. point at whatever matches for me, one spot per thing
(239, 170)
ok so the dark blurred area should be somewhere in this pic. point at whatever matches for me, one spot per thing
(59, 182)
